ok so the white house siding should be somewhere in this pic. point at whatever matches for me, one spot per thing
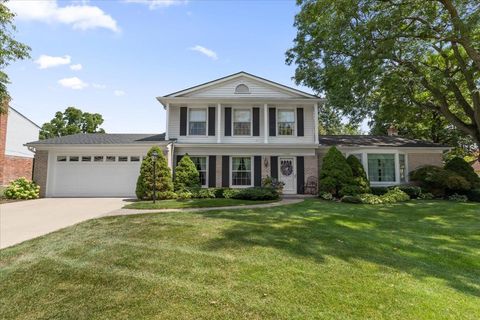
(19, 131)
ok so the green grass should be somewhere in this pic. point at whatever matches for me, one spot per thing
(192, 203)
(313, 260)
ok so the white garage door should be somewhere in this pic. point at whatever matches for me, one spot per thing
(94, 176)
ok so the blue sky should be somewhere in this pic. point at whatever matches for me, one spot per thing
(132, 51)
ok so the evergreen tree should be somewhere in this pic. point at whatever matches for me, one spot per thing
(186, 175)
(335, 173)
(359, 175)
(163, 177)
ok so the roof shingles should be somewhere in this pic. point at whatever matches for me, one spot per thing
(375, 141)
(103, 138)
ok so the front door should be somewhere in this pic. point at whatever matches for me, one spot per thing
(287, 174)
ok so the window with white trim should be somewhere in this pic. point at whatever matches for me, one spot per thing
(242, 122)
(61, 158)
(197, 122)
(201, 165)
(241, 171)
(381, 167)
(286, 122)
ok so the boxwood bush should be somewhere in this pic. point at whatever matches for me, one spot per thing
(413, 191)
(378, 191)
(256, 193)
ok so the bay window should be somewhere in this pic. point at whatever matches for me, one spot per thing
(286, 122)
(201, 165)
(242, 122)
(241, 171)
(197, 122)
(381, 167)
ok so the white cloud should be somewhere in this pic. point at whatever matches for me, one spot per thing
(208, 52)
(155, 4)
(73, 83)
(119, 93)
(99, 86)
(81, 17)
(45, 61)
(76, 67)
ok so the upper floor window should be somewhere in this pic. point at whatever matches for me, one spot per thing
(197, 122)
(241, 88)
(286, 122)
(242, 122)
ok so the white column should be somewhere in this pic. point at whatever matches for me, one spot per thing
(397, 168)
(167, 109)
(315, 118)
(265, 123)
(219, 122)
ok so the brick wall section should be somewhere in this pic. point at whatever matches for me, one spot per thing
(266, 172)
(40, 170)
(218, 172)
(3, 138)
(416, 160)
(17, 167)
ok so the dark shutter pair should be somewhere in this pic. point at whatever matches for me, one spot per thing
(300, 172)
(272, 122)
(255, 122)
(184, 120)
(257, 171)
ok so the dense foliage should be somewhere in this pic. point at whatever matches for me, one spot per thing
(359, 175)
(439, 181)
(22, 188)
(187, 177)
(72, 121)
(464, 169)
(335, 173)
(393, 195)
(162, 178)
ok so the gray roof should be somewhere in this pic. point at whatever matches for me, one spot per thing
(376, 141)
(103, 138)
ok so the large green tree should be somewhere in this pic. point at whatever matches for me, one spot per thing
(10, 50)
(366, 55)
(72, 121)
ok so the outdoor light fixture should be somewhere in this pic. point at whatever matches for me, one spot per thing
(265, 162)
(154, 158)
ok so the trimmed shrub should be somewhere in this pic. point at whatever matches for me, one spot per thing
(394, 195)
(413, 191)
(464, 169)
(474, 195)
(359, 175)
(326, 196)
(163, 179)
(184, 195)
(257, 193)
(22, 188)
(219, 192)
(351, 199)
(203, 194)
(439, 181)
(269, 182)
(458, 197)
(351, 190)
(230, 193)
(335, 173)
(378, 191)
(186, 175)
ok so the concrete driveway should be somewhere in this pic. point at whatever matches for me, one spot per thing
(24, 220)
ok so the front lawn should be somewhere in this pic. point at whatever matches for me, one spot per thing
(192, 203)
(322, 260)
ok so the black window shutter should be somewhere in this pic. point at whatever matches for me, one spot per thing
(183, 121)
(256, 122)
(225, 171)
(211, 121)
(228, 121)
(179, 157)
(274, 167)
(212, 171)
(257, 171)
(272, 122)
(300, 122)
(300, 175)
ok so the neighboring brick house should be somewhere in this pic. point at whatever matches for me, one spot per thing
(16, 160)
(237, 130)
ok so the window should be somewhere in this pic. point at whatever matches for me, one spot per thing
(241, 171)
(381, 167)
(403, 168)
(61, 158)
(98, 158)
(122, 159)
(86, 158)
(242, 89)
(111, 158)
(242, 122)
(197, 122)
(201, 164)
(286, 122)
(134, 159)
(74, 158)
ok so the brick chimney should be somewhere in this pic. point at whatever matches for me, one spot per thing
(392, 131)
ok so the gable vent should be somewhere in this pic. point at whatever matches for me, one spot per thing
(242, 89)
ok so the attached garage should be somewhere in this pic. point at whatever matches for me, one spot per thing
(92, 165)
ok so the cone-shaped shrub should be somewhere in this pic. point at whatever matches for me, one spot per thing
(335, 173)
(462, 168)
(359, 175)
(187, 177)
(163, 177)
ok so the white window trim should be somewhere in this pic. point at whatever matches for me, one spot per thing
(188, 121)
(206, 168)
(294, 109)
(251, 121)
(231, 172)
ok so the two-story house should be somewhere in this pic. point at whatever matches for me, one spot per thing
(238, 130)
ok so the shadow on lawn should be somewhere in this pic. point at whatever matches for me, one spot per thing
(424, 239)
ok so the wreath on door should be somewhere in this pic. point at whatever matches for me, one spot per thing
(286, 167)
